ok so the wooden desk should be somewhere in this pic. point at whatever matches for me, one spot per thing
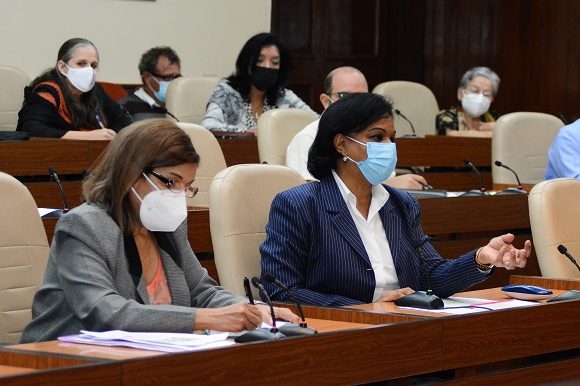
(443, 151)
(240, 149)
(444, 156)
(500, 187)
(526, 345)
(537, 344)
(29, 162)
(22, 367)
(345, 352)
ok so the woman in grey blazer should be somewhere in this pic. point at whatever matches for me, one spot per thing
(122, 261)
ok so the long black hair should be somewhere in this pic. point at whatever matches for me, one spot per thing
(246, 62)
(350, 114)
(84, 111)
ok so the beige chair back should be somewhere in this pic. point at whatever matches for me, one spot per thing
(12, 83)
(555, 219)
(521, 141)
(211, 161)
(240, 199)
(187, 97)
(415, 101)
(23, 256)
(276, 128)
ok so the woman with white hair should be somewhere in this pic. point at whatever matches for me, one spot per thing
(477, 89)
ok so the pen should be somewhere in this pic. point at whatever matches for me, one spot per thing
(248, 290)
(425, 185)
(99, 120)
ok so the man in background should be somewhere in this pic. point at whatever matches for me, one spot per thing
(564, 154)
(339, 82)
(158, 67)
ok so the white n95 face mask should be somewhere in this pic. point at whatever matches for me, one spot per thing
(83, 78)
(162, 210)
(475, 104)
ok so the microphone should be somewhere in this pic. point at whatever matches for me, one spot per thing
(563, 250)
(168, 113)
(562, 117)
(573, 294)
(475, 192)
(421, 299)
(54, 175)
(261, 334)
(399, 113)
(519, 189)
(291, 329)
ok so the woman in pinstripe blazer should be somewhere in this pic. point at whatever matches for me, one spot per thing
(112, 266)
(348, 239)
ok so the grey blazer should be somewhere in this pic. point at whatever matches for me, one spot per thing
(91, 284)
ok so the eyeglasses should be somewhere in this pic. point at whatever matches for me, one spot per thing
(166, 78)
(487, 94)
(190, 191)
(340, 94)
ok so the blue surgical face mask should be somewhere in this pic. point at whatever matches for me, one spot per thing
(161, 95)
(380, 163)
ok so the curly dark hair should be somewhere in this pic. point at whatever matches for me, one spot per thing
(149, 59)
(84, 111)
(246, 62)
(350, 114)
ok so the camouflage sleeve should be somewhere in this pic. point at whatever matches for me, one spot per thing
(446, 120)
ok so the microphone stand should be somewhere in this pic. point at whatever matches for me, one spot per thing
(414, 135)
(475, 192)
(421, 299)
(261, 334)
(58, 213)
(573, 294)
(291, 329)
(564, 251)
(519, 189)
(170, 114)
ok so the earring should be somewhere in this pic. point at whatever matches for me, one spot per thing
(345, 158)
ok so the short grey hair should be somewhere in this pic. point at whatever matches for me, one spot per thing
(486, 72)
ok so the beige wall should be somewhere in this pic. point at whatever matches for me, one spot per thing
(207, 34)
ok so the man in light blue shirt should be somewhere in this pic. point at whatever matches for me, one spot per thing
(564, 154)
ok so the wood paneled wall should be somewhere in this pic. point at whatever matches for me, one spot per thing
(534, 46)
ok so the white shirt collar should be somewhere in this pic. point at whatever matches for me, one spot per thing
(379, 196)
(141, 94)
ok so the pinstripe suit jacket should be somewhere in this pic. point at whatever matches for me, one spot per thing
(313, 246)
(92, 282)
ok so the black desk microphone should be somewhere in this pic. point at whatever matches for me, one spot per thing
(563, 250)
(168, 113)
(475, 192)
(570, 295)
(519, 189)
(414, 135)
(291, 329)
(421, 299)
(54, 175)
(261, 334)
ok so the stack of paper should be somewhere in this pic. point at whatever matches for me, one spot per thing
(166, 342)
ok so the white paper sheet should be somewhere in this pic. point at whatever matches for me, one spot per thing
(45, 211)
(166, 342)
(473, 305)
